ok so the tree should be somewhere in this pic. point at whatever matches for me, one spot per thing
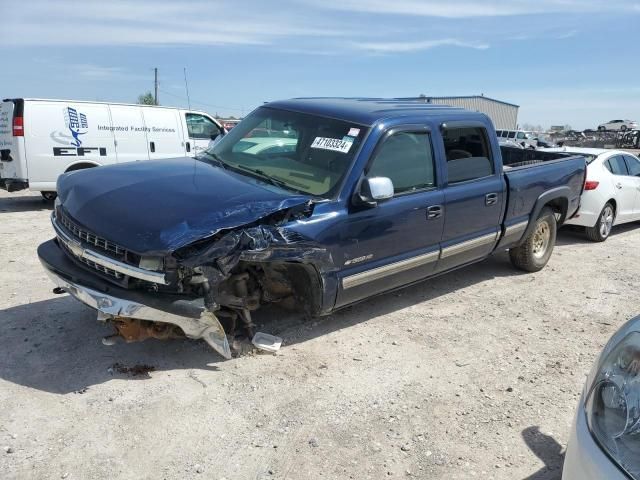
(146, 99)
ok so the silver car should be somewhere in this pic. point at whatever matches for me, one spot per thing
(605, 437)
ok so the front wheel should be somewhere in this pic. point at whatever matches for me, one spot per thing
(534, 252)
(602, 229)
(49, 196)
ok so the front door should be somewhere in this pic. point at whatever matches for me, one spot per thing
(201, 131)
(474, 196)
(398, 241)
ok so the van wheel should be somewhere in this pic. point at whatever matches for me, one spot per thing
(602, 229)
(534, 253)
(49, 196)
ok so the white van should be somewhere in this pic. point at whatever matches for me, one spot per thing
(524, 138)
(41, 139)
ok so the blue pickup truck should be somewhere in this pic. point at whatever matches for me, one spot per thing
(312, 203)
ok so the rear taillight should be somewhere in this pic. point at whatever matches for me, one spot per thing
(591, 185)
(18, 127)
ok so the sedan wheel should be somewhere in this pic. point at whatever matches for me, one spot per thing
(602, 229)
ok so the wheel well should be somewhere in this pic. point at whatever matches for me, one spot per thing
(80, 166)
(614, 204)
(559, 206)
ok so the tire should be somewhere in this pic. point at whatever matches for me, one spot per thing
(623, 128)
(602, 229)
(49, 196)
(534, 252)
(602, 128)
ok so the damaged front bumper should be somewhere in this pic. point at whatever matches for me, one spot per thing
(113, 302)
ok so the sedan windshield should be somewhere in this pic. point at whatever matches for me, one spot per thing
(296, 151)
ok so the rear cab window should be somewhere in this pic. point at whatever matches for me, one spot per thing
(467, 153)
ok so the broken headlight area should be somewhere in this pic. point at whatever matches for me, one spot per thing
(231, 275)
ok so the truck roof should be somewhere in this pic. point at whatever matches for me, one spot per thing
(367, 111)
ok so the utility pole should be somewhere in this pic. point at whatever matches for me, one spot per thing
(155, 85)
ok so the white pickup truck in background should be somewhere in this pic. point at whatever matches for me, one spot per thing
(41, 139)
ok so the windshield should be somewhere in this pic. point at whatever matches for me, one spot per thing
(297, 151)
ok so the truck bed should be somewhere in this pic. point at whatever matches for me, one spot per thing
(513, 157)
(531, 173)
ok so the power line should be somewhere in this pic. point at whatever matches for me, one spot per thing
(193, 100)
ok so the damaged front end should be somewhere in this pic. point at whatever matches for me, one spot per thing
(207, 288)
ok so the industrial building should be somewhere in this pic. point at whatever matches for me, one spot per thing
(503, 115)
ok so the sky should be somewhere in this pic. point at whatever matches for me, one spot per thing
(574, 62)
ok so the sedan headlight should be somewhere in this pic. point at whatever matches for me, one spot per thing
(612, 401)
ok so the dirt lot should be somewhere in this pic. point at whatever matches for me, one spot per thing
(473, 374)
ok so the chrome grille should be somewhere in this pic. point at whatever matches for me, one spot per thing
(95, 266)
(87, 236)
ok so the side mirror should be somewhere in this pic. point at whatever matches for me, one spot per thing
(220, 134)
(375, 189)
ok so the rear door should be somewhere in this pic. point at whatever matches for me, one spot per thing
(12, 159)
(164, 132)
(625, 187)
(130, 136)
(474, 195)
(398, 241)
(633, 166)
(201, 130)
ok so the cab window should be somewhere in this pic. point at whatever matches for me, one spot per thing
(467, 152)
(201, 127)
(407, 159)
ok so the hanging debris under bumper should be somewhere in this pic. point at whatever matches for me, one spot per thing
(116, 304)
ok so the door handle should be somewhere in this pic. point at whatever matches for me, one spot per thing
(618, 185)
(490, 199)
(434, 211)
(188, 147)
(152, 146)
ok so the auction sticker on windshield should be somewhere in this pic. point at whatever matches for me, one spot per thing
(335, 144)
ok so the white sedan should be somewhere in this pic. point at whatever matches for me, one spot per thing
(611, 193)
(618, 125)
(604, 442)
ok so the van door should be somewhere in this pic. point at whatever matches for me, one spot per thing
(129, 132)
(201, 130)
(474, 196)
(60, 136)
(164, 132)
(13, 164)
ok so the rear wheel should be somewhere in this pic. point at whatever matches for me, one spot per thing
(49, 196)
(623, 128)
(534, 252)
(602, 229)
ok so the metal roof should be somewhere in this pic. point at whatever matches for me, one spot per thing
(461, 97)
(364, 111)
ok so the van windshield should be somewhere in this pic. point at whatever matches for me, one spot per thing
(297, 151)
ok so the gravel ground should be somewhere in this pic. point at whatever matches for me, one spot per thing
(472, 374)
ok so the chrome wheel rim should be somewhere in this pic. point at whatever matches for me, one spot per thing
(606, 221)
(541, 238)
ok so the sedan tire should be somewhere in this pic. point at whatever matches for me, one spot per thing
(602, 229)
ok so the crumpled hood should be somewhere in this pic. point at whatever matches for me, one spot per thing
(156, 207)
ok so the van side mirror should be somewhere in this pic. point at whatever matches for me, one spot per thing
(221, 133)
(375, 189)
